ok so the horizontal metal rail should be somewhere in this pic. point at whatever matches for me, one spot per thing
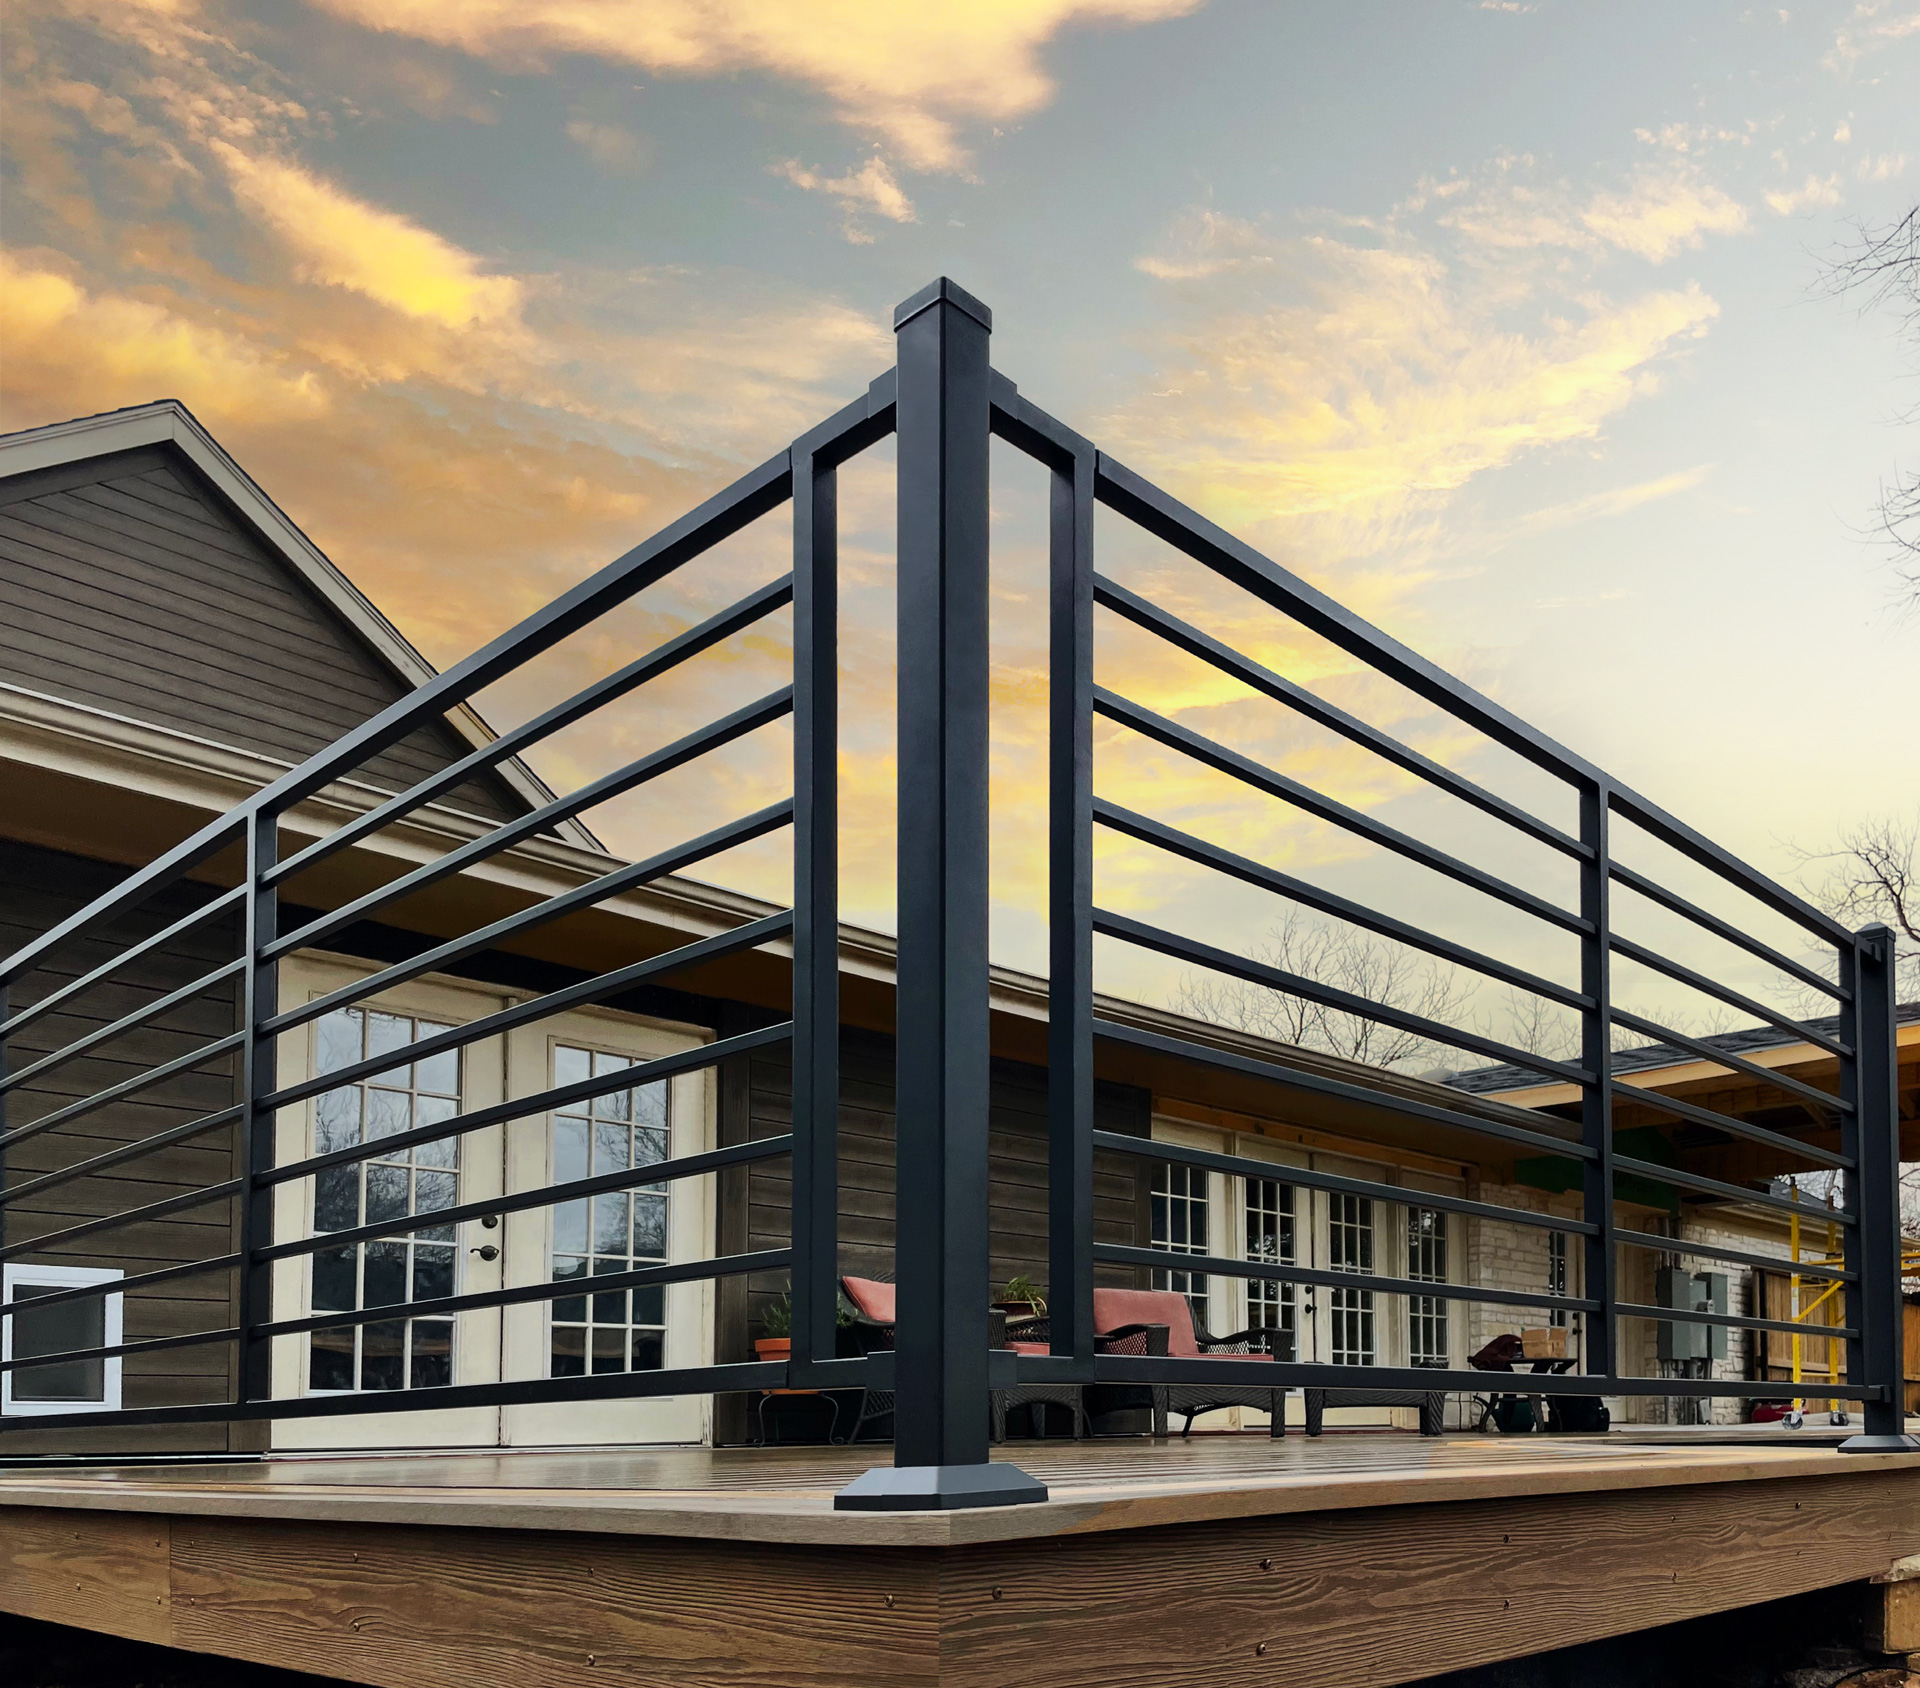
(636, 773)
(1204, 854)
(1715, 1187)
(1727, 994)
(1726, 1058)
(1672, 901)
(1262, 778)
(142, 1345)
(1294, 1079)
(1210, 545)
(18, 1021)
(163, 1209)
(540, 1102)
(1248, 1166)
(1294, 1374)
(611, 884)
(1111, 595)
(1623, 1091)
(1254, 972)
(121, 1286)
(1223, 1266)
(127, 1087)
(120, 1027)
(1729, 1321)
(641, 1277)
(548, 1195)
(1703, 852)
(684, 1380)
(1733, 1256)
(756, 606)
(130, 893)
(12, 1193)
(595, 989)
(753, 495)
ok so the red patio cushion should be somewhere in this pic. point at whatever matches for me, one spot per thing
(873, 1299)
(1113, 1308)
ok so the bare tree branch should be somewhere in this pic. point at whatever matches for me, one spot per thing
(1881, 268)
(1351, 961)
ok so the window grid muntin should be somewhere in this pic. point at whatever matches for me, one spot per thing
(1427, 1324)
(1271, 1305)
(1351, 1334)
(622, 1330)
(1178, 1196)
(1557, 1274)
(415, 1266)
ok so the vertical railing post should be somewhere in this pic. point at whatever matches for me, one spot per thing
(941, 1009)
(1070, 912)
(259, 1002)
(1870, 1137)
(816, 898)
(1602, 1258)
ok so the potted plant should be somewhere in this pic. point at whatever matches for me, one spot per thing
(777, 1322)
(1020, 1300)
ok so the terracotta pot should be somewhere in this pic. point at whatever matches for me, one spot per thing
(773, 1347)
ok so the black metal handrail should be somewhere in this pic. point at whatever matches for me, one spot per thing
(943, 401)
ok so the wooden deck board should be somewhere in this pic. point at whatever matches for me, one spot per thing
(1356, 1561)
(786, 1495)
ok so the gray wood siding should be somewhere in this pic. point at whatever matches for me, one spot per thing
(126, 586)
(38, 888)
(1017, 1190)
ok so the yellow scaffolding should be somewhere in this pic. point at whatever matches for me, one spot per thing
(1832, 1256)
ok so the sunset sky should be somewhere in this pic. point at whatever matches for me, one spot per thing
(1500, 321)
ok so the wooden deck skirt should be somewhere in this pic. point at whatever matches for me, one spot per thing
(1362, 1559)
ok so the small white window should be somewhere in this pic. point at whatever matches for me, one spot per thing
(86, 1321)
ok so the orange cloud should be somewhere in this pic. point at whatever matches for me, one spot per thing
(910, 74)
(345, 242)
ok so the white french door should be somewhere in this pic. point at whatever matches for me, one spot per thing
(587, 1334)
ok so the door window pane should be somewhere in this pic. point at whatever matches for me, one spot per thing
(390, 1271)
(617, 1231)
(1350, 1249)
(1272, 1306)
(1427, 1263)
(1179, 1225)
(81, 1323)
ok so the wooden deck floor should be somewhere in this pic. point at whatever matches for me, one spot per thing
(1352, 1561)
(786, 1495)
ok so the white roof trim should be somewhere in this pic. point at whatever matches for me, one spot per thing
(169, 422)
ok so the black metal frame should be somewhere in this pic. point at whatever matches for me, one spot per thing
(944, 401)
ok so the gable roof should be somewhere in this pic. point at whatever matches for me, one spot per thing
(168, 424)
(1650, 1057)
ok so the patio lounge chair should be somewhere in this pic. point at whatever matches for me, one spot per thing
(1118, 1313)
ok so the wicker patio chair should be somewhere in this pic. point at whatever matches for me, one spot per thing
(1187, 1338)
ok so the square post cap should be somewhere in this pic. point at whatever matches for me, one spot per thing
(940, 292)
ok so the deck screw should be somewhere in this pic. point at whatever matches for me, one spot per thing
(593, 1658)
(1266, 1564)
(889, 1600)
(1260, 1647)
(996, 1594)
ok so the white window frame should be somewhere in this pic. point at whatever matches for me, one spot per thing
(64, 1277)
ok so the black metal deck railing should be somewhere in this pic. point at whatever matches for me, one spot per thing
(944, 402)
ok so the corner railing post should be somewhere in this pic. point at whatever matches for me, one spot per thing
(1600, 1354)
(941, 1365)
(259, 1002)
(1871, 1139)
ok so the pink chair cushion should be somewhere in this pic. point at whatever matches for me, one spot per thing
(1113, 1308)
(1031, 1347)
(873, 1299)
